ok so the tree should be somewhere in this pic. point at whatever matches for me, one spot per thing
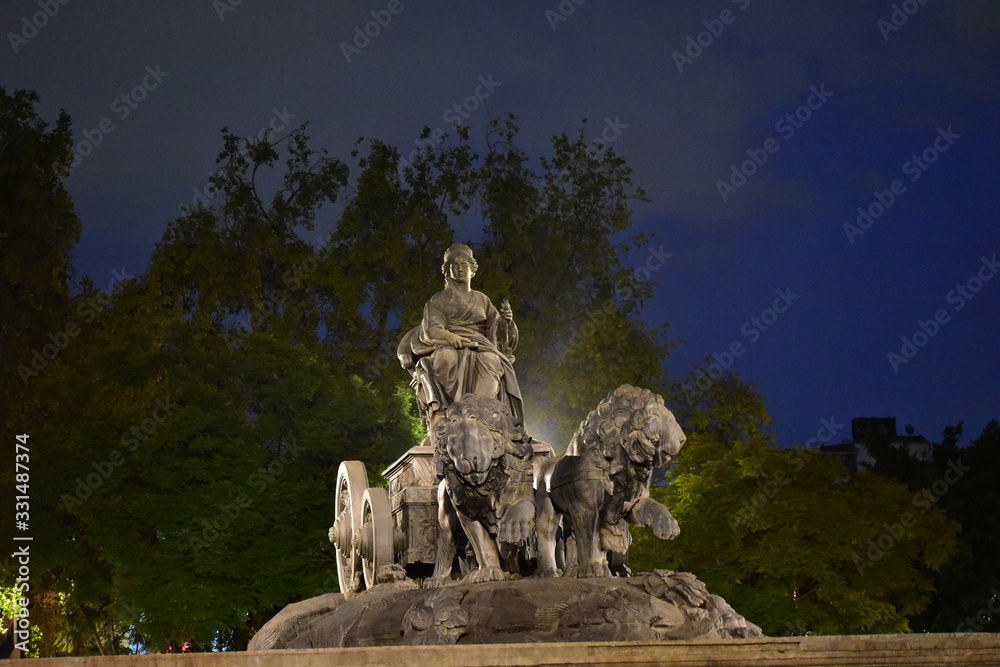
(963, 484)
(378, 265)
(38, 228)
(792, 539)
(552, 244)
(959, 480)
(196, 462)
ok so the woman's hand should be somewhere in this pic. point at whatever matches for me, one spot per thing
(505, 312)
(458, 342)
(453, 340)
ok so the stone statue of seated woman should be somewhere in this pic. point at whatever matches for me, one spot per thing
(463, 344)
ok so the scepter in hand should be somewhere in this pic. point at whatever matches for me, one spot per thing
(504, 336)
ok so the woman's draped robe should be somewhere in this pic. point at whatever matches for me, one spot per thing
(441, 373)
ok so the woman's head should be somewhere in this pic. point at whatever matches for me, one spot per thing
(458, 259)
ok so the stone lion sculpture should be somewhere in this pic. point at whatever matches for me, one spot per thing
(485, 467)
(602, 482)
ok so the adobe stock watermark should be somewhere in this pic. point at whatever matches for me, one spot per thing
(753, 329)
(696, 45)
(454, 115)
(59, 340)
(279, 121)
(364, 34)
(982, 618)
(256, 318)
(32, 23)
(132, 439)
(122, 107)
(376, 365)
(609, 134)
(294, 277)
(596, 317)
(786, 126)
(914, 168)
(796, 459)
(258, 481)
(925, 499)
(563, 11)
(17, 596)
(962, 294)
(223, 7)
(899, 16)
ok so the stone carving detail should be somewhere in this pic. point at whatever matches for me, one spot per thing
(660, 606)
(685, 591)
(393, 573)
(486, 487)
(602, 483)
(291, 621)
(436, 619)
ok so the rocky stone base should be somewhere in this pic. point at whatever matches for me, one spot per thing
(662, 605)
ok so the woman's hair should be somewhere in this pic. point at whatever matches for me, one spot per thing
(454, 250)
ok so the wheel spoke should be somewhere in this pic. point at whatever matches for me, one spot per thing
(352, 481)
(375, 538)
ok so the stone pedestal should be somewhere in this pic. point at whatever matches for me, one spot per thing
(663, 605)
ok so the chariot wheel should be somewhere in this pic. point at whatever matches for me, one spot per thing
(352, 481)
(375, 539)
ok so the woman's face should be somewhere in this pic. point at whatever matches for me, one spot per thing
(460, 269)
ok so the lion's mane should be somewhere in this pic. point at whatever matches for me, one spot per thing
(612, 430)
(616, 422)
(485, 502)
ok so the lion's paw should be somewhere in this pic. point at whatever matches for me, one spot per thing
(517, 524)
(437, 582)
(549, 573)
(484, 574)
(588, 570)
(666, 527)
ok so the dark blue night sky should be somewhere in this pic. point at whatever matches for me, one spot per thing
(821, 109)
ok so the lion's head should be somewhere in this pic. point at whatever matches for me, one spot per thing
(472, 437)
(636, 422)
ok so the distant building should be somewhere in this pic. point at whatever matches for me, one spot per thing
(856, 455)
(847, 452)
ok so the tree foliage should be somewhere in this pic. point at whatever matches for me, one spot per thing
(962, 482)
(38, 229)
(556, 244)
(192, 472)
(792, 539)
(381, 261)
